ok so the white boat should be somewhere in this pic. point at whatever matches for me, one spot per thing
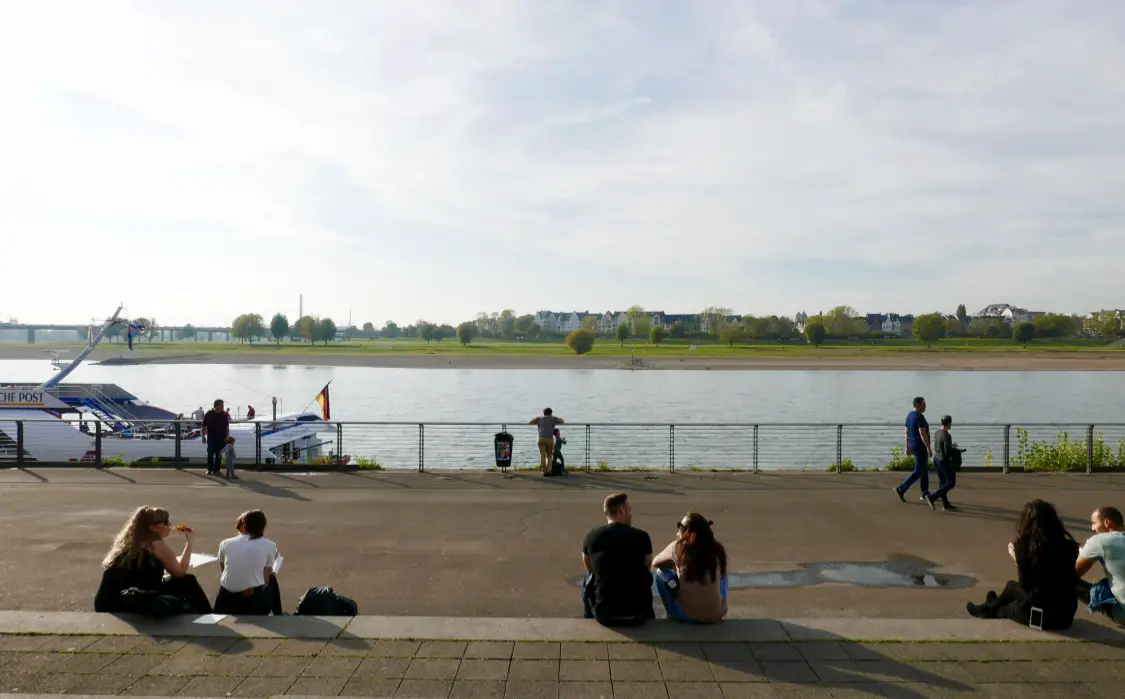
(58, 423)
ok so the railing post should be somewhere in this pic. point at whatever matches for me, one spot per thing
(421, 447)
(587, 447)
(19, 442)
(672, 448)
(179, 444)
(1007, 449)
(839, 448)
(339, 444)
(1090, 449)
(755, 448)
(257, 444)
(98, 443)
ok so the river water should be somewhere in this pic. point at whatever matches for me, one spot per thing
(617, 396)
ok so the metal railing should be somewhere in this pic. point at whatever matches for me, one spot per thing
(469, 445)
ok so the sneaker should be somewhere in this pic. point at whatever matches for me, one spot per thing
(949, 507)
(233, 477)
(930, 502)
(899, 494)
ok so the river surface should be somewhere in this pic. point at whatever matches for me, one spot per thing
(609, 396)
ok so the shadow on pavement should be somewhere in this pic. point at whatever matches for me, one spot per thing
(859, 669)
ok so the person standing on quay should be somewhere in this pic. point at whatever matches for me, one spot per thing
(547, 423)
(216, 429)
(917, 445)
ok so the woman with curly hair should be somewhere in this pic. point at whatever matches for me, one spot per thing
(692, 575)
(133, 570)
(1045, 554)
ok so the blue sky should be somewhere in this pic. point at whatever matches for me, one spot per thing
(436, 159)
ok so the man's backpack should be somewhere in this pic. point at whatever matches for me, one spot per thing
(323, 601)
(955, 459)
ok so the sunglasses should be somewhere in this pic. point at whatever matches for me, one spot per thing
(680, 526)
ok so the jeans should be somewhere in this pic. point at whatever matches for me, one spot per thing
(215, 455)
(947, 480)
(261, 601)
(664, 577)
(230, 468)
(921, 472)
(558, 464)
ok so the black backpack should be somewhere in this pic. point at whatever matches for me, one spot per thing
(323, 601)
(955, 459)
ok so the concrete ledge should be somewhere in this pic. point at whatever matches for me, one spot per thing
(573, 630)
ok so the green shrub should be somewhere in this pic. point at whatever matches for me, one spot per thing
(900, 460)
(365, 464)
(118, 460)
(843, 467)
(1064, 454)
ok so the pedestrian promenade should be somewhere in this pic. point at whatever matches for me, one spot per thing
(471, 658)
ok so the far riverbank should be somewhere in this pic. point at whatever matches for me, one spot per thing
(828, 360)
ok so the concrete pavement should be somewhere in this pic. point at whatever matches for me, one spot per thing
(83, 653)
(484, 544)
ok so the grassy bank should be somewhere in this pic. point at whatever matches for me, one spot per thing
(610, 348)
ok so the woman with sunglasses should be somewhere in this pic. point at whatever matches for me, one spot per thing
(133, 570)
(692, 573)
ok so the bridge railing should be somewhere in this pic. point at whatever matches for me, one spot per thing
(839, 447)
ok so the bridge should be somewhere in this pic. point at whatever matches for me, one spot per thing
(168, 333)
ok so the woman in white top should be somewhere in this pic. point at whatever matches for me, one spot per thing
(247, 584)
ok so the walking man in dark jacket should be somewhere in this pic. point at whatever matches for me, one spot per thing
(943, 459)
(216, 429)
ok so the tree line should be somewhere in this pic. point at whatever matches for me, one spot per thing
(251, 326)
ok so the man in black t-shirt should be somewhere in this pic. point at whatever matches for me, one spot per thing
(617, 590)
(216, 429)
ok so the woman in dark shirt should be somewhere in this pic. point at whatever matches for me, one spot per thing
(133, 570)
(1045, 554)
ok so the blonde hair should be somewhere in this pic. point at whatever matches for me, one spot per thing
(135, 539)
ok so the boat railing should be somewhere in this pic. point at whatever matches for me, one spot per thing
(603, 446)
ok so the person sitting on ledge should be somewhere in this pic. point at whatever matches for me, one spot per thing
(1045, 555)
(617, 588)
(133, 570)
(692, 576)
(1106, 546)
(247, 584)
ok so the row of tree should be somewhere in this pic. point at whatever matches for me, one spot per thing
(251, 326)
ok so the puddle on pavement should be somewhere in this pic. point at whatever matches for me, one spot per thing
(903, 572)
(900, 573)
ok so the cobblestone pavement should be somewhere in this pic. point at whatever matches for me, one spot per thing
(245, 667)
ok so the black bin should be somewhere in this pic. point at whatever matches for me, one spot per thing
(502, 444)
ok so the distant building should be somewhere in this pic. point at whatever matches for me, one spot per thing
(1008, 313)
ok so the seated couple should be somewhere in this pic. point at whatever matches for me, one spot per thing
(141, 574)
(617, 588)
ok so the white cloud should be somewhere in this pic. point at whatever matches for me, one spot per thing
(391, 157)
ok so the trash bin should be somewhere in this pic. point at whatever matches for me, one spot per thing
(503, 447)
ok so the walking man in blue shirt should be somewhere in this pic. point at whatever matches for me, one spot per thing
(918, 446)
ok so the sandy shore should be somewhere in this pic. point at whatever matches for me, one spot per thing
(829, 360)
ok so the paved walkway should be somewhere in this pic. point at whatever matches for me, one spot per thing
(482, 544)
(489, 658)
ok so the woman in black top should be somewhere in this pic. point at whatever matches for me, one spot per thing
(133, 570)
(1045, 554)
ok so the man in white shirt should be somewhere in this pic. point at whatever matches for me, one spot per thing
(248, 584)
(1106, 546)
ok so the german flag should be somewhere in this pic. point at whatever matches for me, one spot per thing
(322, 398)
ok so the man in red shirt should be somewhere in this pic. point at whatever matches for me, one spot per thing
(216, 429)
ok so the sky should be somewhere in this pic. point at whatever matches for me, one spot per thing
(405, 160)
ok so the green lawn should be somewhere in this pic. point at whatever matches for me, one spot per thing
(610, 348)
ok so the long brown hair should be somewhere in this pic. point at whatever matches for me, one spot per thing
(1039, 525)
(701, 556)
(134, 541)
